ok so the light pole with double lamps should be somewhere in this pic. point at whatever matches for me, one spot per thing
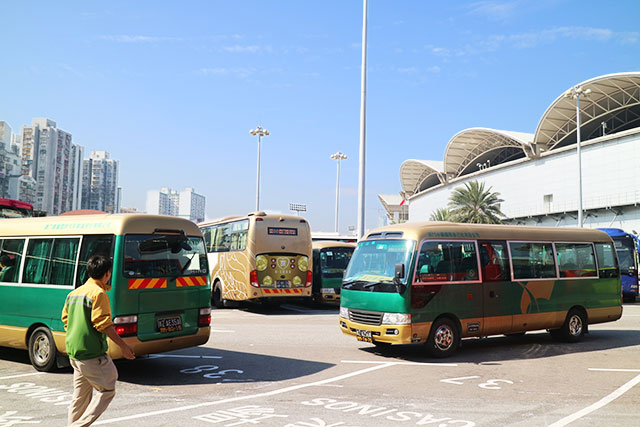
(259, 132)
(338, 157)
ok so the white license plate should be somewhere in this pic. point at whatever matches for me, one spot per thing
(362, 335)
(282, 284)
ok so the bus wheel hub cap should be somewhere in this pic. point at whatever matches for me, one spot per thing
(575, 325)
(41, 349)
(444, 338)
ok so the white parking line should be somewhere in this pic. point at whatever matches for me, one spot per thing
(599, 404)
(21, 375)
(399, 363)
(249, 397)
(182, 356)
(614, 370)
(223, 331)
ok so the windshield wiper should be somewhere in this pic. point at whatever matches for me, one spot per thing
(349, 284)
(188, 263)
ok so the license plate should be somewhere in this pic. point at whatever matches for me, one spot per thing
(282, 284)
(169, 324)
(362, 335)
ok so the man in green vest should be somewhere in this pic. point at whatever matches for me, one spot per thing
(87, 319)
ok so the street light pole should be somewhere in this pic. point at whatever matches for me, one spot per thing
(260, 132)
(363, 127)
(338, 157)
(575, 93)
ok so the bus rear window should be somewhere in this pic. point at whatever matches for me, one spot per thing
(153, 255)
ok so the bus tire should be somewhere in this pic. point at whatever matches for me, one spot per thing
(42, 350)
(216, 296)
(444, 338)
(574, 325)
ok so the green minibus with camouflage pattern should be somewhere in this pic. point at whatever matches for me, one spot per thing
(435, 283)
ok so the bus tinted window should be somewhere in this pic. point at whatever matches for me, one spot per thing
(494, 259)
(150, 255)
(576, 260)
(11, 253)
(92, 245)
(607, 266)
(333, 261)
(532, 260)
(447, 261)
(238, 235)
(50, 261)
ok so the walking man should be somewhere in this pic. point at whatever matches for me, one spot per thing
(87, 319)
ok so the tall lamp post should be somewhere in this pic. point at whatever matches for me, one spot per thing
(575, 93)
(260, 132)
(363, 125)
(338, 157)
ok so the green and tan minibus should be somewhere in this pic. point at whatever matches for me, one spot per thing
(159, 286)
(330, 259)
(435, 283)
(258, 257)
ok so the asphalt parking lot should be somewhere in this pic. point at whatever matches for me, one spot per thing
(291, 366)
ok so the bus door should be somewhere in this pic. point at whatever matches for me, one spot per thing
(499, 298)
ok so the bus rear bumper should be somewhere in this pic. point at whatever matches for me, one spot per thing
(141, 348)
(392, 334)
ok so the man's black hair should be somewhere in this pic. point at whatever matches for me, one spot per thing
(5, 260)
(98, 266)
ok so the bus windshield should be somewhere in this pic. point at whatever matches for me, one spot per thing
(333, 261)
(372, 267)
(153, 255)
(626, 252)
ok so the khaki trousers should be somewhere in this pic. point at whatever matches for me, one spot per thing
(99, 374)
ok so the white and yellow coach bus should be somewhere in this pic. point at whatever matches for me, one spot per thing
(258, 257)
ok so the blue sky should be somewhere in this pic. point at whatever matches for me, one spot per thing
(171, 89)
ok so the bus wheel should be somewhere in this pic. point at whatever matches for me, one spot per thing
(42, 350)
(216, 296)
(574, 326)
(444, 338)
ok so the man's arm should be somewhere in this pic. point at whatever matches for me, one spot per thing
(127, 351)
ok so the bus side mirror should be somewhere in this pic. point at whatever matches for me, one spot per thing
(399, 271)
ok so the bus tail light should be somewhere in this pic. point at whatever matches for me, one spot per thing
(204, 317)
(253, 278)
(126, 326)
(309, 277)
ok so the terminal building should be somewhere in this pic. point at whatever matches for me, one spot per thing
(537, 174)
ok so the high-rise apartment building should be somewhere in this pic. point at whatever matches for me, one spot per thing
(55, 163)
(100, 183)
(186, 204)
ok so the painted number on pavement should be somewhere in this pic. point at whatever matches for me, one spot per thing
(491, 384)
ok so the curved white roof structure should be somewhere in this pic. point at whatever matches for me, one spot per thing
(614, 100)
(613, 105)
(479, 148)
(418, 175)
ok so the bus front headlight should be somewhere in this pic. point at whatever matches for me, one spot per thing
(344, 312)
(396, 319)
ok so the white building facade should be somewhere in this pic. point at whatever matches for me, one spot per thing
(54, 163)
(537, 174)
(100, 183)
(186, 204)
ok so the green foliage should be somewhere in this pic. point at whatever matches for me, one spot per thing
(473, 204)
(441, 214)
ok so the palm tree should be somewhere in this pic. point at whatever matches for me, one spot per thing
(441, 214)
(473, 204)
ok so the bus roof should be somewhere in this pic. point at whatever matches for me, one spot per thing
(323, 244)
(259, 214)
(95, 224)
(15, 203)
(452, 231)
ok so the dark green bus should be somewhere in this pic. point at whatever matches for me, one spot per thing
(435, 283)
(330, 259)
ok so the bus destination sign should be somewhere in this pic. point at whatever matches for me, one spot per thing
(281, 231)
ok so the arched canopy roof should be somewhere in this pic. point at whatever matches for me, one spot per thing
(614, 100)
(478, 148)
(418, 175)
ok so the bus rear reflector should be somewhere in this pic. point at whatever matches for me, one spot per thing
(253, 279)
(126, 326)
(204, 317)
(309, 278)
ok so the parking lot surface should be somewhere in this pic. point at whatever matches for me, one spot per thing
(291, 366)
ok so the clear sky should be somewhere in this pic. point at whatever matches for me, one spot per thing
(172, 88)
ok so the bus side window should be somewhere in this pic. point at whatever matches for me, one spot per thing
(607, 263)
(494, 260)
(63, 261)
(38, 261)
(93, 245)
(12, 254)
